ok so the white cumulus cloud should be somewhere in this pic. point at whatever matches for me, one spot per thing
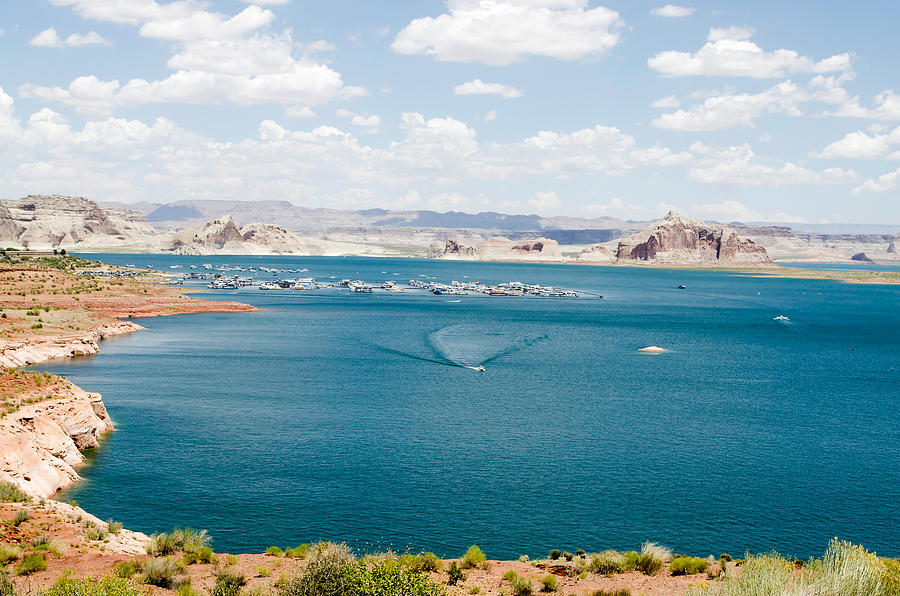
(50, 38)
(479, 87)
(501, 32)
(673, 11)
(730, 53)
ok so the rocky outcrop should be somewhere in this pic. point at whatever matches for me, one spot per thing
(223, 236)
(498, 249)
(599, 253)
(680, 240)
(42, 222)
(34, 351)
(40, 443)
(861, 257)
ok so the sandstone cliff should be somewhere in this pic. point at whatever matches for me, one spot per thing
(498, 249)
(40, 442)
(680, 240)
(36, 350)
(44, 222)
(223, 236)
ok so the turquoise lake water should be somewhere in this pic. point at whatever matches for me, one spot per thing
(331, 415)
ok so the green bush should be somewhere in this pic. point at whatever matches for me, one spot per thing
(568, 556)
(228, 584)
(653, 557)
(10, 493)
(9, 553)
(113, 527)
(185, 540)
(161, 572)
(473, 557)
(622, 592)
(389, 580)
(126, 569)
(298, 552)
(549, 583)
(520, 586)
(206, 555)
(274, 551)
(555, 554)
(107, 586)
(454, 574)
(21, 517)
(325, 572)
(422, 562)
(687, 565)
(609, 562)
(725, 557)
(31, 564)
(579, 553)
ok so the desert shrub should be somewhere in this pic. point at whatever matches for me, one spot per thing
(206, 555)
(568, 556)
(473, 557)
(519, 586)
(388, 580)
(113, 527)
(298, 552)
(21, 517)
(47, 544)
(609, 562)
(10, 493)
(126, 569)
(523, 559)
(850, 570)
(631, 559)
(31, 564)
(274, 551)
(725, 557)
(325, 573)
(422, 562)
(228, 584)
(454, 574)
(7, 588)
(622, 592)
(653, 558)
(107, 586)
(549, 583)
(555, 554)
(687, 565)
(579, 553)
(9, 553)
(185, 540)
(161, 572)
(186, 589)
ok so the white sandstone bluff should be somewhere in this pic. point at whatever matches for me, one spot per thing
(498, 249)
(36, 350)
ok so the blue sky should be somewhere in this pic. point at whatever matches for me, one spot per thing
(763, 111)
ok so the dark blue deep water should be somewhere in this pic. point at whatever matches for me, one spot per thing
(333, 415)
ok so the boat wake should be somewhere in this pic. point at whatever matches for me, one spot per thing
(469, 346)
(473, 346)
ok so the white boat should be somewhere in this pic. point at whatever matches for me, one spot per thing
(479, 368)
(269, 286)
(781, 318)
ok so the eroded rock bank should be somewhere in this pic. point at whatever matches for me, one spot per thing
(46, 423)
(37, 350)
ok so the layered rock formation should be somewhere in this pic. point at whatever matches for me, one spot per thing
(45, 222)
(498, 249)
(678, 240)
(40, 442)
(223, 236)
(35, 350)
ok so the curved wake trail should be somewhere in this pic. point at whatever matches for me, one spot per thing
(472, 346)
(417, 357)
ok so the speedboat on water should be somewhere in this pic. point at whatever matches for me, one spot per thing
(781, 318)
(479, 368)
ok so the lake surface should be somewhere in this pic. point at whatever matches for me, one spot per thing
(331, 415)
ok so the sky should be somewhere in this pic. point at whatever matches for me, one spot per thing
(732, 111)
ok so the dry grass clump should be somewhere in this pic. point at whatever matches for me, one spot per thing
(473, 558)
(845, 570)
(653, 557)
(185, 540)
(10, 493)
